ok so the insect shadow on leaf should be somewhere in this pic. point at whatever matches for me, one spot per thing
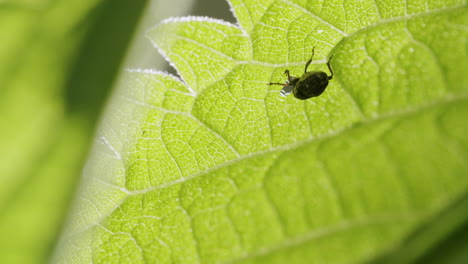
(310, 84)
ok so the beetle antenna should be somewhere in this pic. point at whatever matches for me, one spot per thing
(282, 84)
(310, 60)
(329, 67)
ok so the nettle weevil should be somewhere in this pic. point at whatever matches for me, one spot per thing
(310, 84)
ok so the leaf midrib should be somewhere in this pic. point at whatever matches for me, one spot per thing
(446, 100)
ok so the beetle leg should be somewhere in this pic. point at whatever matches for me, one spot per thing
(310, 60)
(329, 67)
(289, 76)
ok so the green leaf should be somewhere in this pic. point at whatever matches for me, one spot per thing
(41, 147)
(218, 167)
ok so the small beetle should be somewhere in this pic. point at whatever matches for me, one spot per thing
(311, 84)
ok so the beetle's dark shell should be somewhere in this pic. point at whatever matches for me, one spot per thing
(311, 84)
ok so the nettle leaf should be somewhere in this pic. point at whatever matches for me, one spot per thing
(218, 167)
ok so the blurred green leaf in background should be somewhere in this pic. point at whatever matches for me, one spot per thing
(57, 61)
